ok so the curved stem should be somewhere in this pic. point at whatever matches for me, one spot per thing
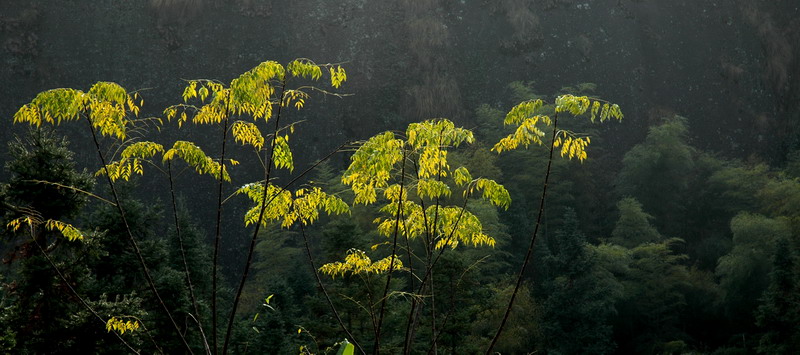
(325, 292)
(132, 239)
(533, 240)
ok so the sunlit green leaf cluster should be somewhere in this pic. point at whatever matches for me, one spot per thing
(121, 326)
(67, 230)
(358, 263)
(371, 166)
(530, 120)
(107, 106)
(130, 161)
(287, 208)
(247, 133)
(197, 159)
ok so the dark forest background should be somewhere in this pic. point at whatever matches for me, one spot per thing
(678, 235)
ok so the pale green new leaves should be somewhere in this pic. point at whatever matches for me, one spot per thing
(528, 132)
(578, 105)
(66, 229)
(252, 92)
(431, 188)
(530, 123)
(432, 138)
(197, 159)
(572, 146)
(522, 111)
(454, 225)
(462, 176)
(281, 206)
(371, 166)
(107, 106)
(131, 160)
(358, 263)
(304, 68)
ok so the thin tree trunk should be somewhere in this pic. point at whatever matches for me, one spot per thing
(267, 172)
(183, 258)
(533, 240)
(218, 234)
(132, 239)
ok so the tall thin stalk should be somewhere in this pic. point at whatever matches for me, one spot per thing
(377, 346)
(533, 239)
(267, 173)
(183, 258)
(132, 239)
(218, 232)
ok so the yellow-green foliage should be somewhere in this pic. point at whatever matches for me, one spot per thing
(15, 224)
(454, 225)
(530, 122)
(66, 229)
(358, 263)
(285, 208)
(118, 325)
(130, 161)
(423, 157)
(197, 159)
(107, 106)
(371, 166)
(247, 133)
(252, 93)
(282, 155)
